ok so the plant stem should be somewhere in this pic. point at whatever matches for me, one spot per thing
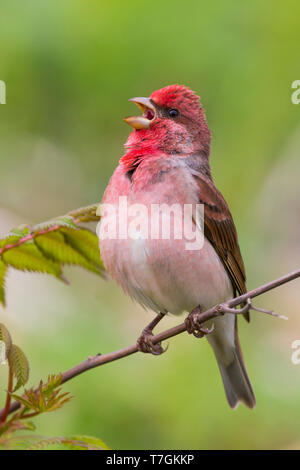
(8, 396)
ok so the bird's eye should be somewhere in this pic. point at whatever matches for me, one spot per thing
(173, 113)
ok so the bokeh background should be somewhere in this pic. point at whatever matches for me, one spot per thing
(69, 68)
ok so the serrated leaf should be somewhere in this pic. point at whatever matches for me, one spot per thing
(42, 442)
(92, 443)
(19, 365)
(10, 427)
(3, 270)
(6, 338)
(64, 221)
(23, 401)
(85, 214)
(44, 398)
(14, 235)
(58, 402)
(42, 402)
(35, 442)
(30, 442)
(54, 246)
(9, 239)
(28, 257)
(20, 231)
(86, 243)
(53, 381)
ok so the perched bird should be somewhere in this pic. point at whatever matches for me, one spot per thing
(167, 162)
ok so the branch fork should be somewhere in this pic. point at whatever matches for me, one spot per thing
(223, 308)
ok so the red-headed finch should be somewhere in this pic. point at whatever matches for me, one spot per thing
(166, 168)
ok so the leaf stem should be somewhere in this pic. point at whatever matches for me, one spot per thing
(30, 415)
(83, 214)
(8, 396)
(27, 238)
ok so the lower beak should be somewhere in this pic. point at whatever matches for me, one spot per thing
(149, 113)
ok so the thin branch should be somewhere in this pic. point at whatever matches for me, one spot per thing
(216, 311)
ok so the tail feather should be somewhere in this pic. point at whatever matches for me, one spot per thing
(225, 343)
(236, 383)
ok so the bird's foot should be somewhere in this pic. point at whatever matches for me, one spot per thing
(146, 345)
(194, 326)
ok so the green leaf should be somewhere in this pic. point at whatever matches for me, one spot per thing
(28, 257)
(53, 381)
(23, 401)
(14, 235)
(85, 214)
(10, 427)
(54, 246)
(31, 442)
(3, 270)
(76, 442)
(6, 338)
(86, 243)
(19, 365)
(64, 221)
(20, 231)
(45, 398)
(9, 239)
(85, 442)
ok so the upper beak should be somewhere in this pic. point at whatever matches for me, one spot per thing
(149, 113)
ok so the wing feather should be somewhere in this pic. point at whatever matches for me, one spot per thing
(220, 230)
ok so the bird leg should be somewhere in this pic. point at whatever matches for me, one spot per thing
(194, 325)
(145, 343)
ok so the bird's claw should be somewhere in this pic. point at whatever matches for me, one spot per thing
(146, 345)
(195, 327)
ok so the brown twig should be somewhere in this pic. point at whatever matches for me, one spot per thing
(218, 310)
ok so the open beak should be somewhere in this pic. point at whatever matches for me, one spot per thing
(149, 113)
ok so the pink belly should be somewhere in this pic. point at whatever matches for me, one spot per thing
(163, 276)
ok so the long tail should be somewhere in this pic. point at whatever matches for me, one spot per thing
(225, 343)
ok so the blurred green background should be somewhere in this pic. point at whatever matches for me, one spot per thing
(69, 69)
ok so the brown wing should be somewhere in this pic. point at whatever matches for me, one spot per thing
(220, 230)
